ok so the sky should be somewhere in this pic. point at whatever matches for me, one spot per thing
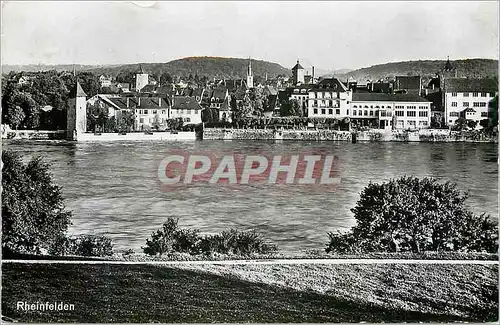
(329, 35)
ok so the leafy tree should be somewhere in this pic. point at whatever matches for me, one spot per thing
(170, 238)
(16, 115)
(33, 211)
(409, 214)
(472, 124)
(291, 108)
(460, 124)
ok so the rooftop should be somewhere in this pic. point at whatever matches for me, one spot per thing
(381, 97)
(460, 85)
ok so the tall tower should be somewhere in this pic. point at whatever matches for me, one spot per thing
(298, 74)
(141, 79)
(77, 113)
(249, 75)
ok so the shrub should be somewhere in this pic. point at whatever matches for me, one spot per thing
(33, 211)
(83, 245)
(236, 243)
(409, 214)
(170, 238)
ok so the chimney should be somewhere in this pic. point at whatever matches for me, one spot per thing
(128, 100)
(313, 74)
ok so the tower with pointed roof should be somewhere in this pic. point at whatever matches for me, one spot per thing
(298, 74)
(249, 75)
(141, 79)
(77, 113)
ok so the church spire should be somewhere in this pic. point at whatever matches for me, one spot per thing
(249, 74)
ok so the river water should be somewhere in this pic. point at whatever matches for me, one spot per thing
(112, 188)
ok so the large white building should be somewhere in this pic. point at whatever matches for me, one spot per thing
(468, 98)
(329, 98)
(390, 111)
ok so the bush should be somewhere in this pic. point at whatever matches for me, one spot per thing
(83, 245)
(413, 215)
(33, 211)
(236, 243)
(170, 238)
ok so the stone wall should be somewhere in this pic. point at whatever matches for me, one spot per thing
(424, 135)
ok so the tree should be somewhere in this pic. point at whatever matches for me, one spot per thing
(471, 124)
(16, 115)
(409, 214)
(33, 211)
(460, 124)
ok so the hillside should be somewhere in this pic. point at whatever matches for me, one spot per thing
(203, 66)
(471, 68)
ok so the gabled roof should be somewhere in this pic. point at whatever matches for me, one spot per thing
(143, 102)
(469, 110)
(329, 84)
(381, 97)
(460, 85)
(148, 89)
(77, 91)
(297, 66)
(220, 93)
(184, 102)
(225, 105)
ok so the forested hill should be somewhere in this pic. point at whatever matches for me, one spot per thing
(202, 66)
(471, 68)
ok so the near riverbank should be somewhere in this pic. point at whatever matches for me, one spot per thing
(253, 293)
(374, 135)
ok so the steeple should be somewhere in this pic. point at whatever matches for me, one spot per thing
(249, 74)
(77, 91)
(448, 66)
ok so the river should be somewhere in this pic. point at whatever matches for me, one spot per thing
(112, 188)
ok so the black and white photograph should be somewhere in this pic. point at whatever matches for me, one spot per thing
(249, 161)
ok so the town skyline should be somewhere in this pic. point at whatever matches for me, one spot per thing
(32, 33)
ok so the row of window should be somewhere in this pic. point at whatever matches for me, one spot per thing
(163, 120)
(153, 111)
(325, 95)
(466, 104)
(185, 111)
(474, 94)
(330, 103)
(330, 111)
(410, 124)
(412, 113)
(457, 114)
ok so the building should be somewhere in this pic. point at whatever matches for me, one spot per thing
(77, 113)
(329, 98)
(105, 81)
(298, 74)
(186, 108)
(390, 111)
(468, 98)
(301, 94)
(141, 79)
(249, 75)
(408, 85)
(219, 95)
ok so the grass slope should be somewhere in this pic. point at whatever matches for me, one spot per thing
(145, 294)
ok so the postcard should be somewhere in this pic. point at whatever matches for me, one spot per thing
(249, 162)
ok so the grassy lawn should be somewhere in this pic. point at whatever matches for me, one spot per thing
(245, 293)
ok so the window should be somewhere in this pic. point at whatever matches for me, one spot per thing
(354, 112)
(422, 114)
(355, 106)
(422, 107)
(366, 113)
(412, 123)
(399, 107)
(337, 111)
(360, 113)
(453, 104)
(382, 113)
(366, 106)
(422, 123)
(187, 119)
(466, 104)
(315, 111)
(483, 94)
(164, 111)
(315, 103)
(475, 104)
(400, 113)
(145, 111)
(330, 102)
(347, 112)
(474, 94)
(411, 113)
(323, 111)
(454, 114)
(371, 113)
(484, 114)
(141, 120)
(330, 111)
(466, 94)
(483, 104)
(492, 94)
(412, 107)
(453, 94)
